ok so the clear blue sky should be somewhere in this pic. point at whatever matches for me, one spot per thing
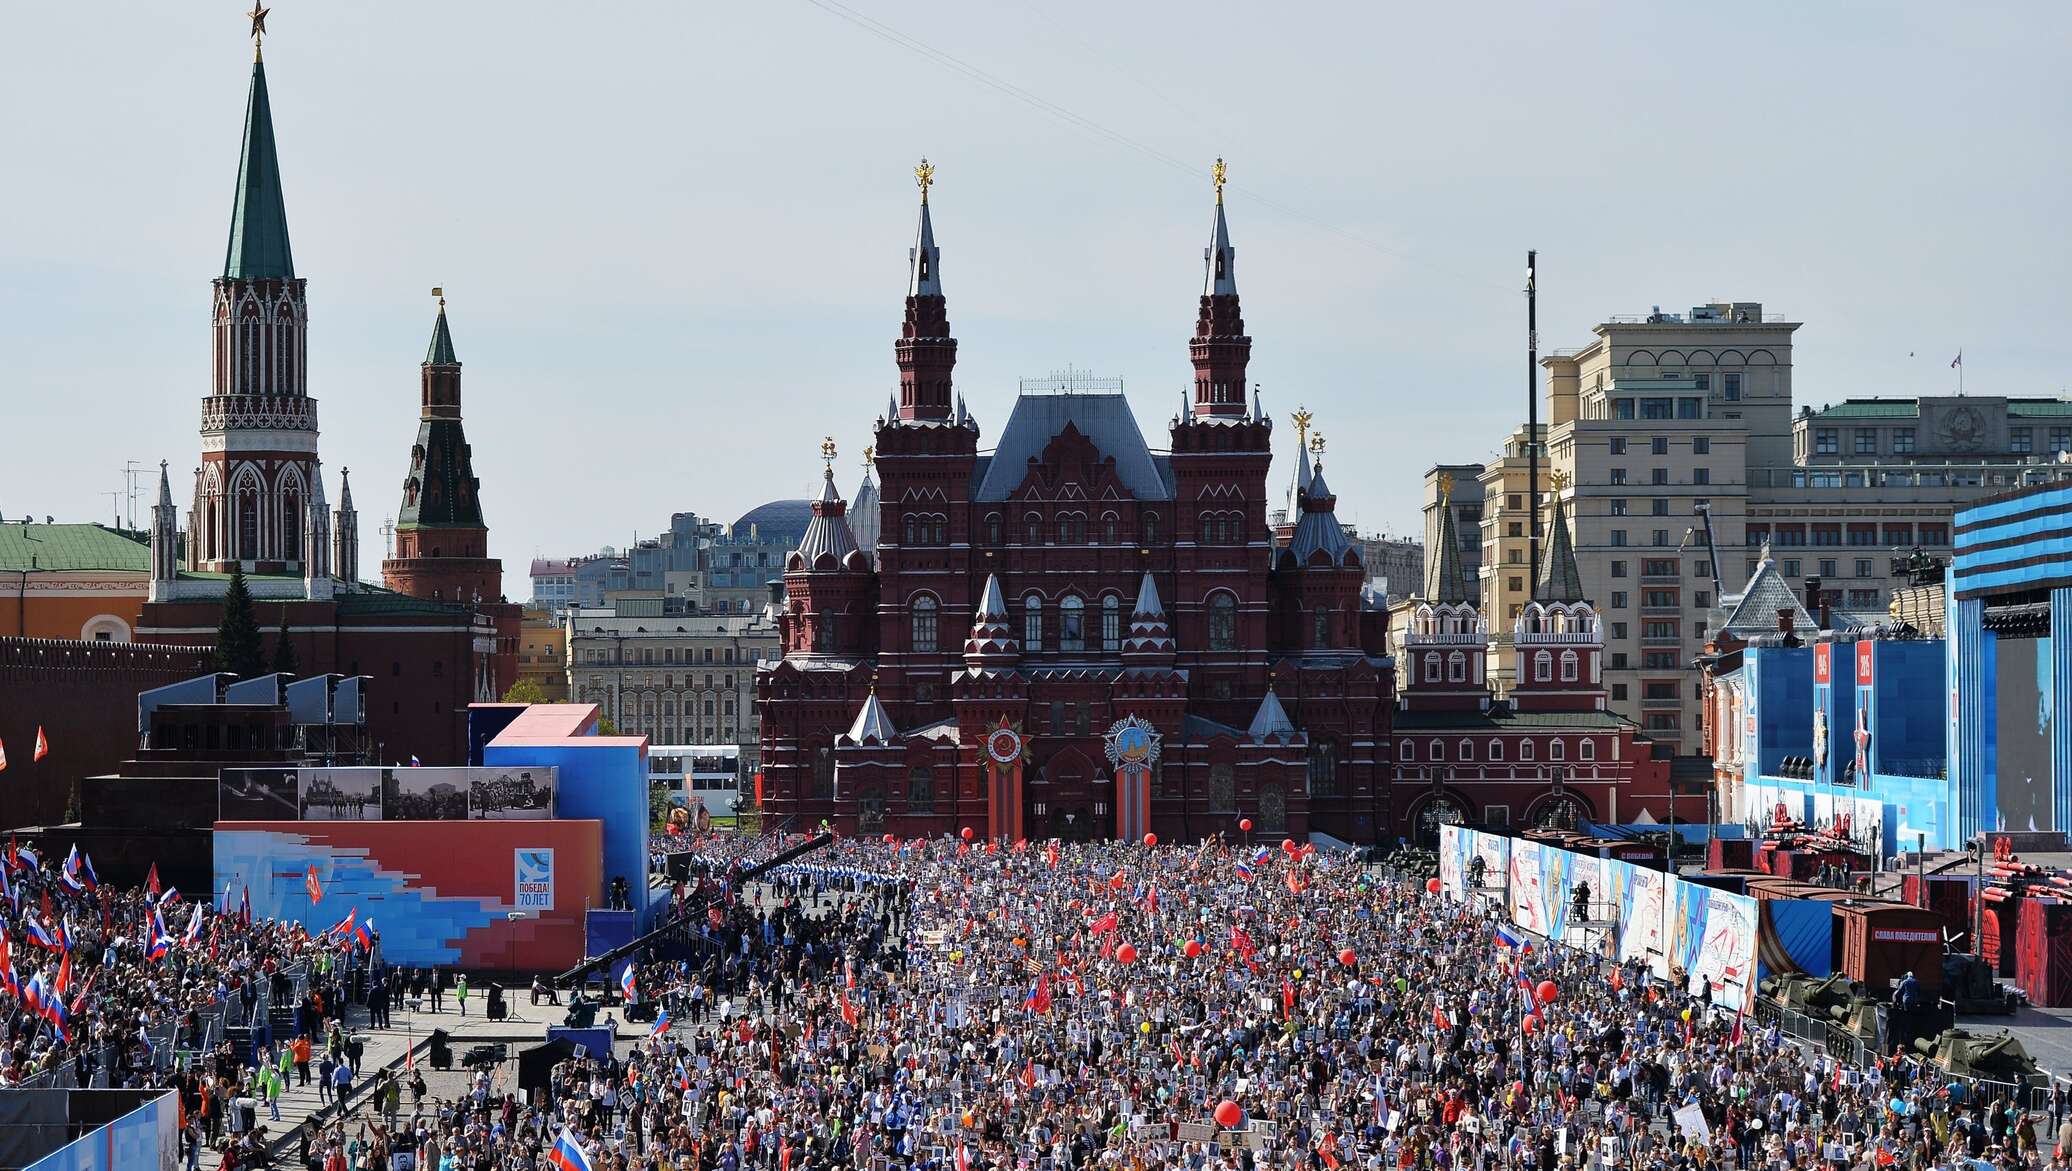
(674, 235)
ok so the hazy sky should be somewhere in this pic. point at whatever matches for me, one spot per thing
(674, 236)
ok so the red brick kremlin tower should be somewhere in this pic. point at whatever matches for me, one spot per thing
(442, 542)
(259, 504)
(1072, 634)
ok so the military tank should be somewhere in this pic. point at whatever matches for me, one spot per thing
(1847, 1022)
(1990, 1057)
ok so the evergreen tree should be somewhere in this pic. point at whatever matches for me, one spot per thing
(283, 649)
(238, 646)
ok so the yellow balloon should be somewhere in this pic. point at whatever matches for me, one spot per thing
(1145, 1027)
(1687, 1016)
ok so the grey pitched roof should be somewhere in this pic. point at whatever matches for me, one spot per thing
(924, 280)
(1755, 610)
(828, 532)
(1560, 579)
(440, 352)
(1318, 529)
(863, 514)
(1271, 722)
(1445, 580)
(873, 725)
(1103, 418)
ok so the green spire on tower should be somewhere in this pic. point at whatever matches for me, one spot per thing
(440, 352)
(259, 219)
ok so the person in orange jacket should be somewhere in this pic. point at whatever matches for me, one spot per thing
(299, 1048)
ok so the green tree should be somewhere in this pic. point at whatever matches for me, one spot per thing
(284, 649)
(526, 691)
(605, 727)
(238, 647)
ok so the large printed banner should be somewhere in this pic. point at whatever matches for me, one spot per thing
(1639, 914)
(478, 894)
(386, 794)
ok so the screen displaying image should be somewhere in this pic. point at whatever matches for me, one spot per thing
(256, 794)
(426, 794)
(511, 794)
(2022, 733)
(342, 794)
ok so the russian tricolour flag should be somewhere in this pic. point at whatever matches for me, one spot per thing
(1244, 870)
(628, 986)
(1505, 937)
(567, 1154)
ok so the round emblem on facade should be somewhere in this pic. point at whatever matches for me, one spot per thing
(1004, 746)
(1132, 743)
(1963, 429)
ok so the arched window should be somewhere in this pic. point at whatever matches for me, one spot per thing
(1586, 749)
(992, 528)
(1323, 769)
(1432, 668)
(1542, 667)
(291, 525)
(939, 529)
(248, 354)
(909, 529)
(1465, 750)
(1111, 623)
(1457, 667)
(1407, 754)
(1568, 666)
(1034, 525)
(1071, 625)
(1438, 751)
(1525, 750)
(1150, 528)
(1320, 632)
(1556, 750)
(1110, 529)
(1496, 750)
(923, 621)
(247, 522)
(284, 342)
(1222, 623)
(1032, 623)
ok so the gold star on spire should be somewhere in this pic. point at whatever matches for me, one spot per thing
(258, 18)
(1217, 172)
(925, 176)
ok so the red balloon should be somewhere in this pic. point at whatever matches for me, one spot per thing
(1547, 992)
(1126, 954)
(1432, 885)
(1244, 825)
(1193, 948)
(967, 833)
(1530, 1023)
(1150, 839)
(889, 839)
(1287, 845)
(1229, 1114)
(1348, 957)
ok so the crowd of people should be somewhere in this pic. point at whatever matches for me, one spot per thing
(965, 1006)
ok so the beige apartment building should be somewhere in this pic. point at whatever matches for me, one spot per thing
(1663, 416)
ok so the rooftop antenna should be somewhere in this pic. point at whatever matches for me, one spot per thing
(115, 506)
(130, 471)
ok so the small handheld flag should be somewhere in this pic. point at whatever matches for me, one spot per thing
(314, 887)
(42, 746)
(628, 986)
(567, 1154)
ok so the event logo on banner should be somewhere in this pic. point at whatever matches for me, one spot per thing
(533, 883)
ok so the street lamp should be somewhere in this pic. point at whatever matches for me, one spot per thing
(511, 953)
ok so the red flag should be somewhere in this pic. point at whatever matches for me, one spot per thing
(1104, 924)
(1118, 882)
(784, 1155)
(315, 888)
(64, 976)
(151, 881)
(1439, 1019)
(1040, 999)
(1029, 1075)
(1287, 997)
(1295, 883)
(42, 746)
(3, 756)
(848, 1009)
(1050, 855)
(963, 1159)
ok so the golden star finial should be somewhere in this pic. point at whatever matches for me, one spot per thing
(258, 17)
(827, 450)
(1217, 173)
(925, 176)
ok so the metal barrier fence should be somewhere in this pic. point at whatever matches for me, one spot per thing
(1825, 1035)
